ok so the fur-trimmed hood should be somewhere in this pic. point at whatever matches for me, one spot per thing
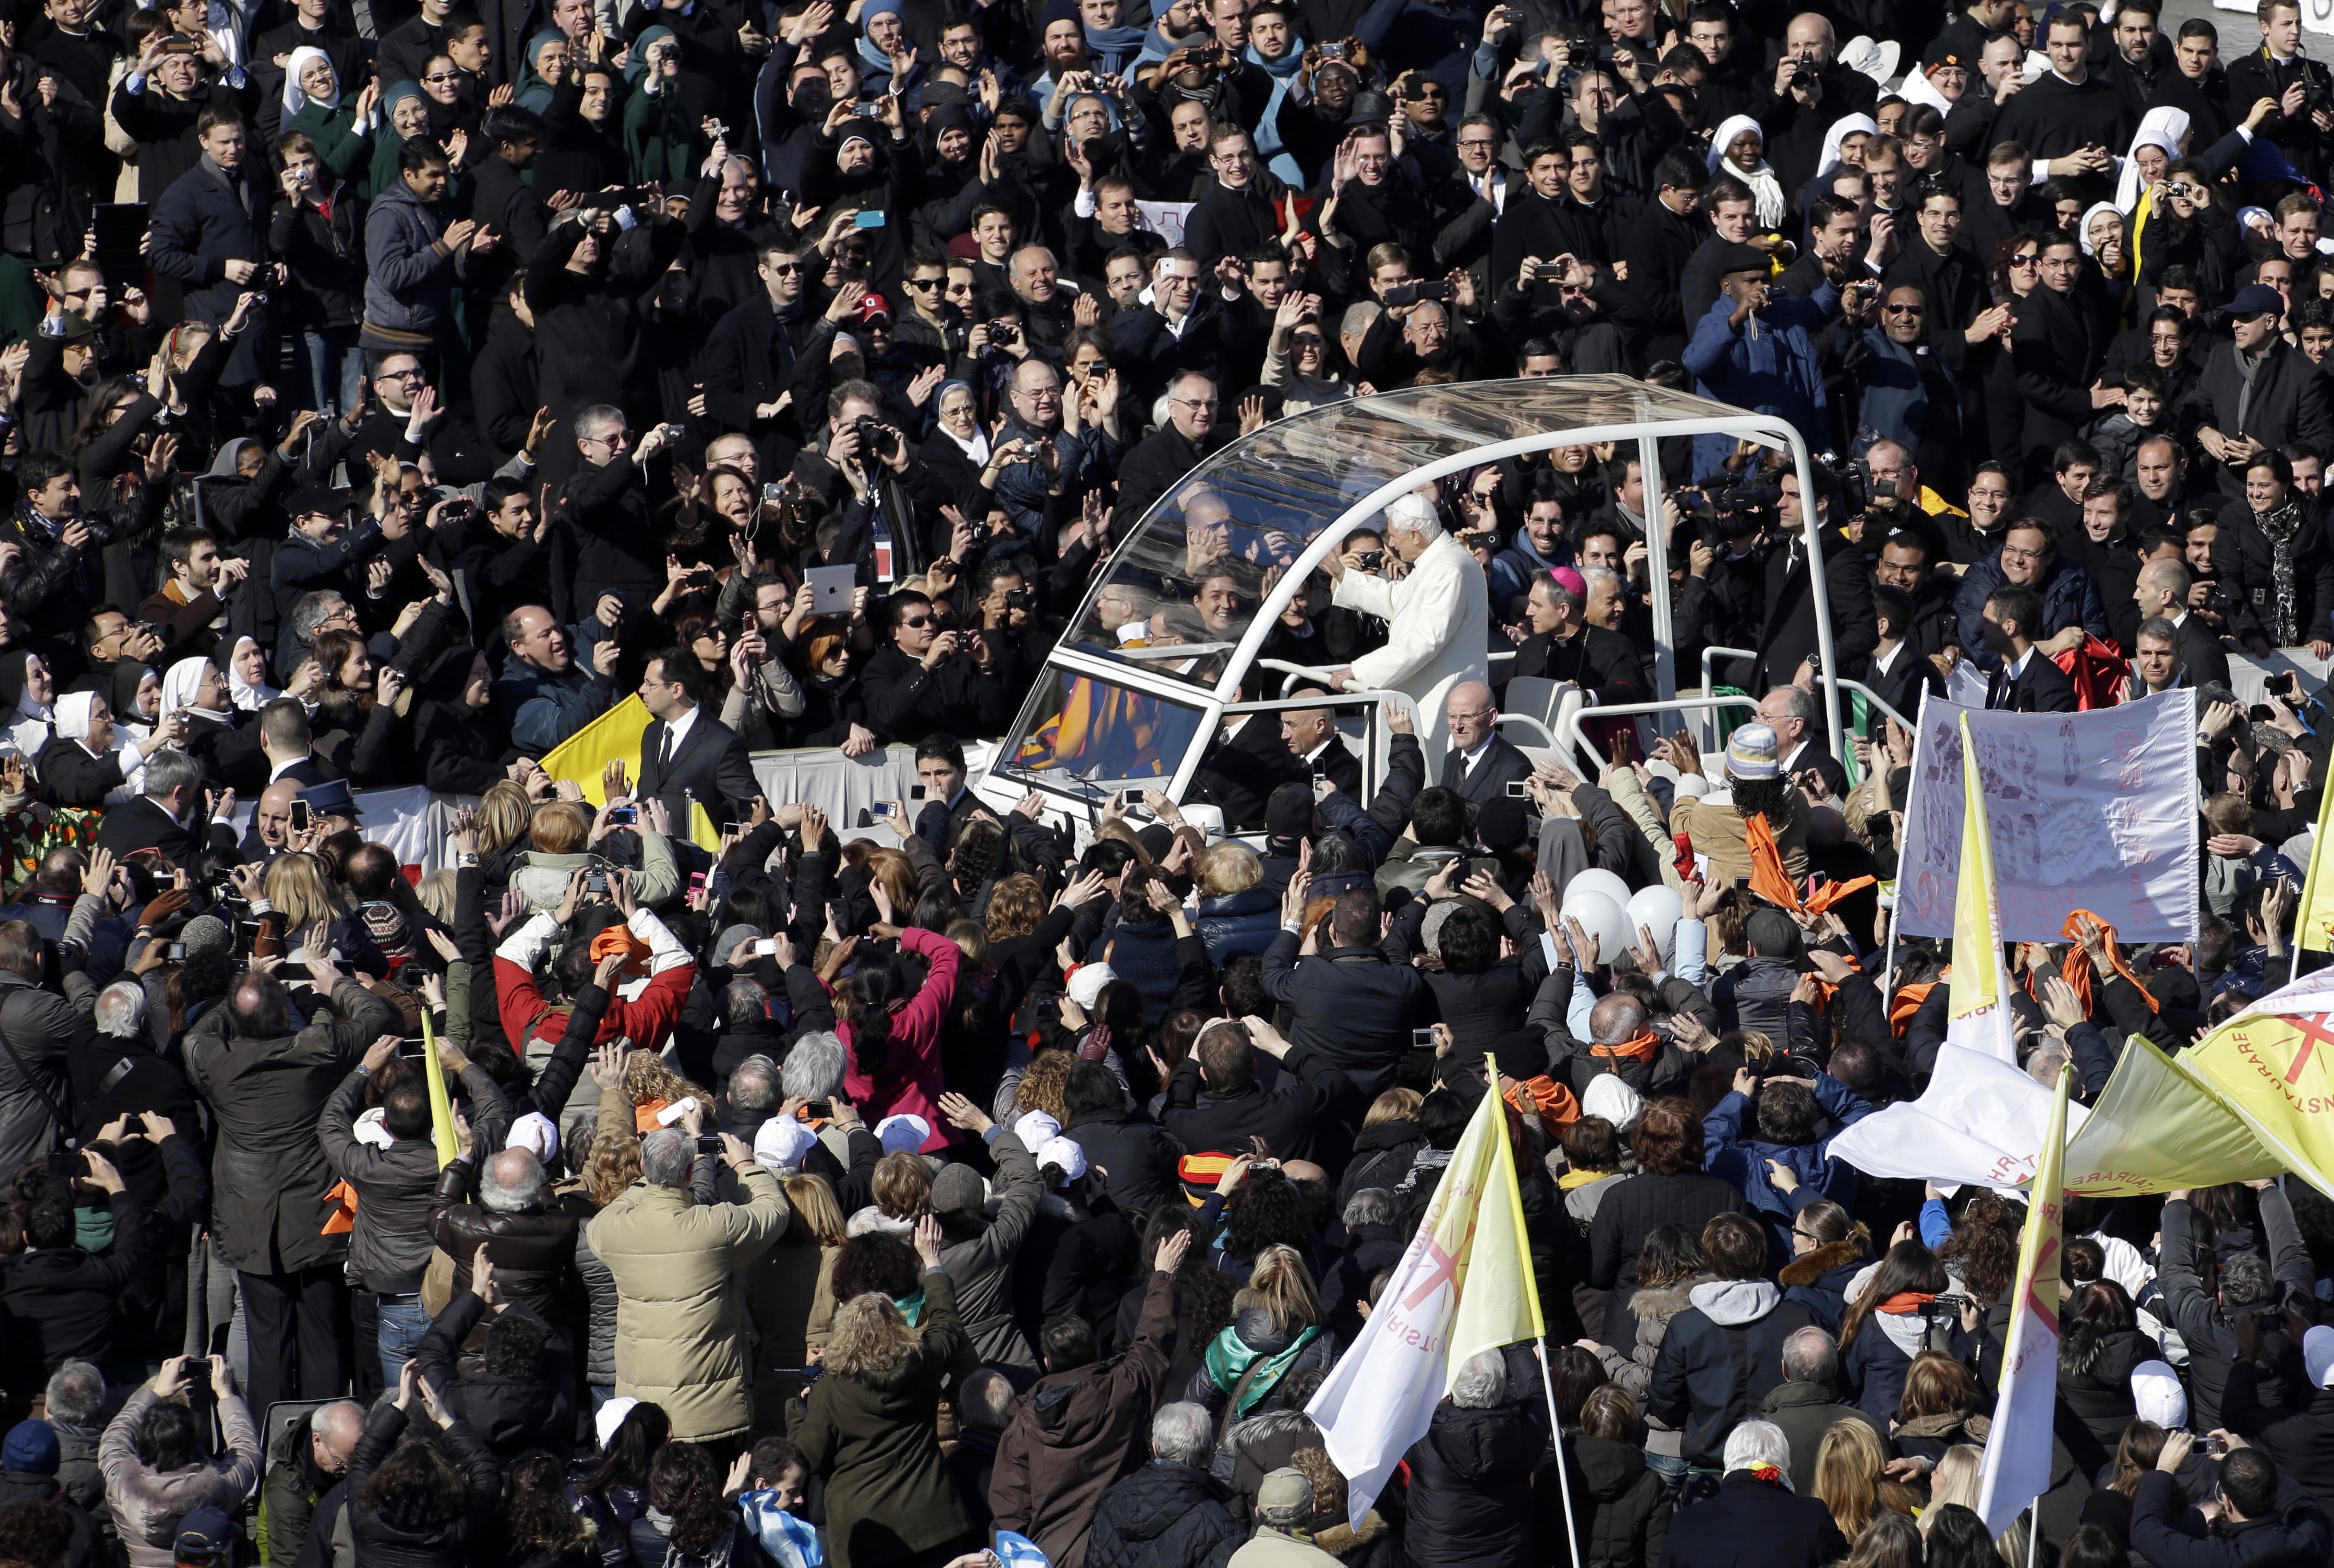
(1811, 1268)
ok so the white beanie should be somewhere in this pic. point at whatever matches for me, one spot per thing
(1035, 1128)
(610, 1416)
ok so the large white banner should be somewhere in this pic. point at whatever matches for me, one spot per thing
(2093, 811)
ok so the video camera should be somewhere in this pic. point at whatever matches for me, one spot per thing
(1734, 505)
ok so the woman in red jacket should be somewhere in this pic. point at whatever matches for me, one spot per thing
(895, 1038)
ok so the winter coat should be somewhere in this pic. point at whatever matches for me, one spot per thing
(1238, 923)
(388, 1540)
(533, 1250)
(870, 1435)
(64, 1303)
(1650, 1311)
(2095, 1386)
(409, 274)
(1139, 1158)
(1872, 1370)
(289, 1496)
(1470, 1490)
(1381, 1155)
(395, 1186)
(908, 1081)
(1164, 1515)
(1634, 1209)
(1298, 1117)
(1754, 1523)
(2298, 1435)
(148, 1504)
(1820, 1281)
(1719, 1359)
(1805, 1411)
(2170, 1537)
(681, 1311)
(43, 1027)
(1077, 1431)
(269, 1172)
(1731, 1148)
(1621, 1506)
(979, 1263)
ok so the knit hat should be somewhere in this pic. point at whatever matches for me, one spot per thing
(1287, 818)
(1059, 11)
(1610, 1097)
(726, 942)
(1283, 1499)
(1752, 752)
(206, 934)
(2316, 1358)
(609, 1417)
(386, 925)
(957, 1189)
(31, 1447)
(2156, 1395)
(1500, 823)
(903, 1134)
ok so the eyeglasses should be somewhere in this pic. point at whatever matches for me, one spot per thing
(2009, 553)
(782, 268)
(440, 77)
(1478, 143)
(916, 625)
(1906, 309)
(1480, 716)
(1193, 402)
(413, 375)
(615, 443)
(921, 284)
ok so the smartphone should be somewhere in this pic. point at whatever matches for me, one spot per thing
(867, 218)
(300, 818)
(176, 952)
(246, 936)
(915, 792)
(1520, 789)
(1547, 273)
(766, 949)
(696, 882)
(623, 816)
(870, 109)
(1440, 291)
(120, 226)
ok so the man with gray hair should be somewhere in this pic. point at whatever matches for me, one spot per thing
(121, 1010)
(1796, 715)
(1438, 619)
(1755, 1503)
(529, 1239)
(619, 551)
(679, 1267)
(1168, 1514)
(76, 1409)
(167, 816)
(307, 1459)
(752, 1094)
(1806, 1404)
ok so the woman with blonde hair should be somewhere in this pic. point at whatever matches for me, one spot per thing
(1850, 1478)
(1238, 914)
(869, 1426)
(1954, 1481)
(1389, 1140)
(309, 911)
(1276, 1331)
(564, 834)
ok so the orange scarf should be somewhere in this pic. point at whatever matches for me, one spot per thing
(1772, 883)
(1908, 1002)
(2077, 969)
(1549, 1101)
(620, 939)
(341, 1216)
(1906, 1301)
(1637, 1048)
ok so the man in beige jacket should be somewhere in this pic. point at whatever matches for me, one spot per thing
(681, 1303)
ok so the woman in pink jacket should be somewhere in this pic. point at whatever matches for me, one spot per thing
(895, 1038)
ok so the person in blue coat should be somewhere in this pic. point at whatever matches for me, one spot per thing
(1760, 354)
(1786, 1163)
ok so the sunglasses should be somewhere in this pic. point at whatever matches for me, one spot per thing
(1906, 309)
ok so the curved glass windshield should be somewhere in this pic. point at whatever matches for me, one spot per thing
(1076, 730)
(1183, 587)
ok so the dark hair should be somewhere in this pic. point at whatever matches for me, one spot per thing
(1787, 1112)
(2021, 605)
(1467, 942)
(1093, 1091)
(415, 1491)
(625, 1456)
(1439, 816)
(2249, 1481)
(681, 668)
(1442, 1121)
(1906, 1267)
(1735, 1247)
(1065, 1341)
(509, 125)
(683, 1483)
(416, 155)
(405, 1110)
(942, 747)
(1591, 1144)
(166, 1438)
(1266, 1208)
(877, 1261)
(514, 1347)
(1827, 207)
(878, 981)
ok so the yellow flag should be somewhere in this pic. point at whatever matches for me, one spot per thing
(701, 830)
(2313, 927)
(441, 1105)
(1483, 1232)
(614, 737)
(1976, 1016)
(2275, 1072)
(2016, 1468)
(2155, 1128)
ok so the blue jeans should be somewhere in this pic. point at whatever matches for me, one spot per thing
(330, 366)
(403, 1324)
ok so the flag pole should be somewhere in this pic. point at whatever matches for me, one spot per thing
(1507, 1157)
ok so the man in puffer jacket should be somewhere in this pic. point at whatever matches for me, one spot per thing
(1170, 1514)
(1736, 1320)
(1757, 993)
(1470, 1476)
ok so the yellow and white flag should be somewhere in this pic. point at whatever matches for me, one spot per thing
(2016, 1468)
(1977, 1016)
(1464, 1286)
(2313, 924)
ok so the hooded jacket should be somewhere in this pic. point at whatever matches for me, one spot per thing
(1470, 1490)
(1719, 1359)
(1076, 1432)
(1625, 1521)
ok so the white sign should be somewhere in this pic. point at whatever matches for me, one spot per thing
(2094, 811)
(1166, 218)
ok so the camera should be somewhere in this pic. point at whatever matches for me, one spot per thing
(1001, 331)
(1333, 51)
(1016, 599)
(596, 881)
(1372, 560)
(1804, 78)
(874, 439)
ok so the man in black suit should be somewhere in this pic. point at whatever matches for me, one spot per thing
(2162, 591)
(288, 743)
(1240, 770)
(1479, 761)
(687, 754)
(1900, 672)
(949, 801)
(168, 817)
(2027, 682)
(1795, 714)
(1311, 735)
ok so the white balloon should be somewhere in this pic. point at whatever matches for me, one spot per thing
(1599, 881)
(1657, 907)
(1602, 919)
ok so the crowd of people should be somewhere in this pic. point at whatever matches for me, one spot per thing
(386, 392)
